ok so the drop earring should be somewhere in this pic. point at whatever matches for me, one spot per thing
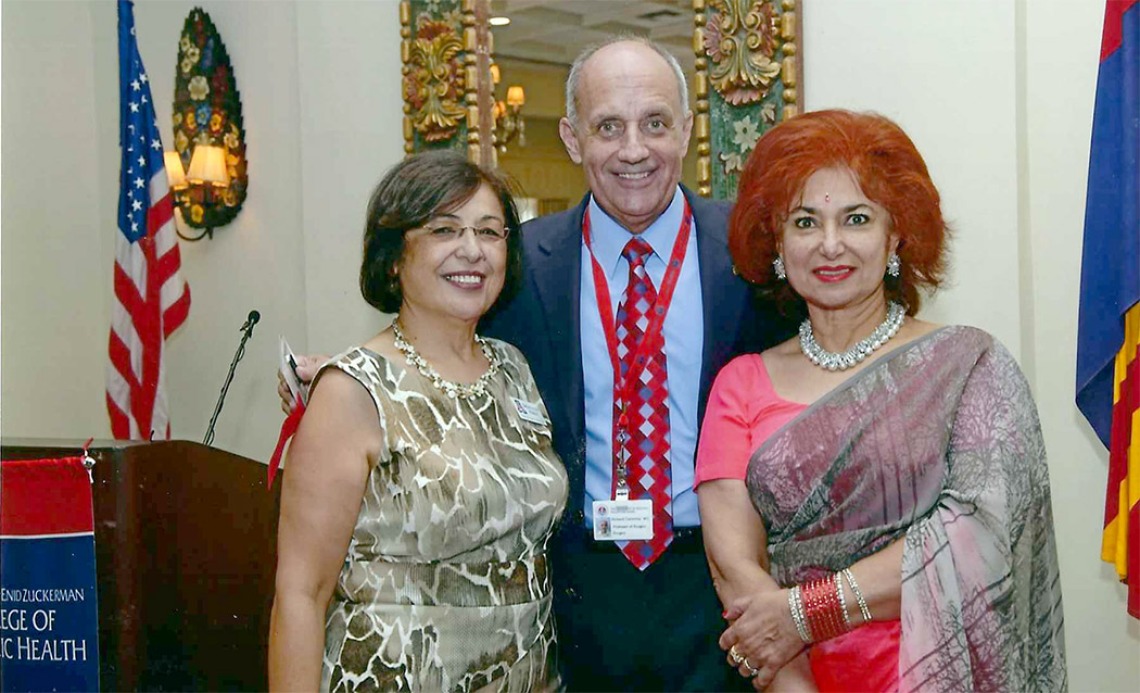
(894, 265)
(778, 266)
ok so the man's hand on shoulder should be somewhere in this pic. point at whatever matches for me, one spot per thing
(306, 368)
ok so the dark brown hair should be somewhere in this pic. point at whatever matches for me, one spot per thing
(414, 191)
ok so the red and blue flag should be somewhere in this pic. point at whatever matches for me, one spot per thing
(1108, 336)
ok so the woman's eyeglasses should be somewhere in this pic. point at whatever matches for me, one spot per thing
(487, 233)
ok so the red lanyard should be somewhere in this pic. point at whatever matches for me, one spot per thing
(623, 387)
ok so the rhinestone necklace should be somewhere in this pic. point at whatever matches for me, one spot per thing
(451, 389)
(860, 350)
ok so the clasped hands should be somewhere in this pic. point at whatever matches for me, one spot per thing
(761, 637)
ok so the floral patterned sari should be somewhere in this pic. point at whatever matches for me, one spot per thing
(938, 442)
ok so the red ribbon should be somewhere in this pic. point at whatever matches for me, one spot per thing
(623, 387)
(288, 428)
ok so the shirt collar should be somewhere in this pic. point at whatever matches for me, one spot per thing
(608, 237)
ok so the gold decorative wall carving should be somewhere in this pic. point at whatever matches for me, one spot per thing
(748, 65)
(441, 42)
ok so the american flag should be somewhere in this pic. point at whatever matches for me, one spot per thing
(151, 298)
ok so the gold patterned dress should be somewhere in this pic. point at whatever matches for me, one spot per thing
(445, 586)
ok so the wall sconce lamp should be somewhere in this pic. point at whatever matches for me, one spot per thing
(174, 172)
(199, 188)
(507, 113)
(509, 123)
(208, 170)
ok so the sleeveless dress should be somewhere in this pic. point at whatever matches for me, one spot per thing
(445, 586)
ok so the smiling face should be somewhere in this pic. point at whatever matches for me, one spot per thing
(835, 243)
(632, 132)
(455, 278)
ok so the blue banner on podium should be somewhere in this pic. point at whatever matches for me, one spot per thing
(49, 612)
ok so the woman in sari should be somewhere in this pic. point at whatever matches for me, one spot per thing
(873, 492)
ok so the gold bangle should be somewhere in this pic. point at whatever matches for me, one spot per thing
(863, 609)
(838, 579)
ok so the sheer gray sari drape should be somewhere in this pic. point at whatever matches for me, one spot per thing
(937, 443)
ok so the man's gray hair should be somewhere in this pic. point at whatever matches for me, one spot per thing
(576, 72)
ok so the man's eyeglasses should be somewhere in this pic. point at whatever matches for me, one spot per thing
(449, 232)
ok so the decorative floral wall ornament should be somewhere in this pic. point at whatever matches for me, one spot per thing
(434, 86)
(748, 69)
(207, 110)
(732, 162)
(444, 50)
(740, 41)
(746, 133)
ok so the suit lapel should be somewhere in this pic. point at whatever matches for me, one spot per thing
(723, 298)
(557, 278)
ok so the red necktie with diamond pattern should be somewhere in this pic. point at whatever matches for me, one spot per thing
(650, 473)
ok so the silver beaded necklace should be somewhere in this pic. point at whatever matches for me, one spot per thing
(859, 351)
(450, 388)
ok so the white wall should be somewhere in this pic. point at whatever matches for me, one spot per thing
(996, 93)
(955, 97)
(351, 132)
(311, 168)
(998, 96)
(53, 220)
(254, 262)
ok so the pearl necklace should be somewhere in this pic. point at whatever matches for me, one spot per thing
(451, 389)
(860, 350)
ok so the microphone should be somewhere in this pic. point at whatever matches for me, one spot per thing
(250, 321)
(246, 332)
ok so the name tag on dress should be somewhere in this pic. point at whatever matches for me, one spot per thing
(529, 411)
(621, 520)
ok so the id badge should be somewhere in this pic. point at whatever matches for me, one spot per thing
(622, 520)
(529, 411)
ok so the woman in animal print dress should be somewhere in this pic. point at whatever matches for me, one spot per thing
(422, 485)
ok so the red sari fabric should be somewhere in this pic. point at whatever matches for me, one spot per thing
(866, 659)
(937, 442)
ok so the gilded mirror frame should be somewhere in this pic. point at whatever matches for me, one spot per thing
(749, 67)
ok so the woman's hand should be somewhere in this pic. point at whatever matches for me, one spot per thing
(762, 635)
(736, 545)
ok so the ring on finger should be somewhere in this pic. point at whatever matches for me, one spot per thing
(735, 655)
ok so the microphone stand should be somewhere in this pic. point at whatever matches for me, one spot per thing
(247, 332)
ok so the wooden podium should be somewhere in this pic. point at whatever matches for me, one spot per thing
(185, 550)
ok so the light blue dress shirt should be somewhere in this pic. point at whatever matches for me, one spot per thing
(684, 344)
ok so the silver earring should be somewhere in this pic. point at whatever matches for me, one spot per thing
(778, 266)
(894, 265)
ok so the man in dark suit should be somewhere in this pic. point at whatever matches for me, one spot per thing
(624, 624)
(636, 615)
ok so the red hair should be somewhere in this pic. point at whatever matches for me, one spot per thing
(889, 170)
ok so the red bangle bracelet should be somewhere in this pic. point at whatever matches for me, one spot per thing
(822, 609)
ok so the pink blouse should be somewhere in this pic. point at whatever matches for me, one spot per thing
(742, 412)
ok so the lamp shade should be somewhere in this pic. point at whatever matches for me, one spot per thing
(516, 96)
(208, 165)
(174, 172)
